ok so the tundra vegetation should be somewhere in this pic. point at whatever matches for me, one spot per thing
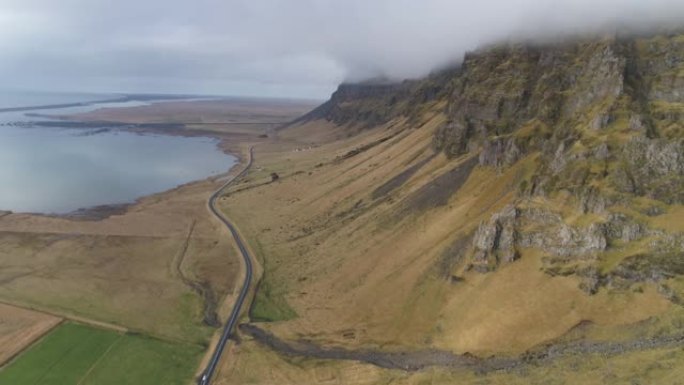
(153, 281)
(515, 219)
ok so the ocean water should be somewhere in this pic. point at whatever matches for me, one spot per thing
(58, 170)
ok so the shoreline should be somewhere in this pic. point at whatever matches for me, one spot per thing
(229, 143)
(104, 211)
(176, 116)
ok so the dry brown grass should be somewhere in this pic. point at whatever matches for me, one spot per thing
(19, 328)
(122, 269)
(357, 275)
(672, 220)
(521, 307)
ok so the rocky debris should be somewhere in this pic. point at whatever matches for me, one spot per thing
(408, 361)
(365, 147)
(412, 361)
(399, 180)
(453, 256)
(437, 192)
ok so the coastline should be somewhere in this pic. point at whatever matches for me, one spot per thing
(105, 211)
(112, 262)
(229, 140)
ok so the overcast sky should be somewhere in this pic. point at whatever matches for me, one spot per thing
(299, 48)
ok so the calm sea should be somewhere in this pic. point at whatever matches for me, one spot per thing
(60, 170)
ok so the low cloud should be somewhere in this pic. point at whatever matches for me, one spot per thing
(299, 48)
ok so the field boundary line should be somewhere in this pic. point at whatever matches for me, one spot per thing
(30, 344)
(66, 316)
(86, 374)
(47, 370)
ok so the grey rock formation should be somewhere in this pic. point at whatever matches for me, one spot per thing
(499, 152)
(495, 240)
(566, 241)
(653, 168)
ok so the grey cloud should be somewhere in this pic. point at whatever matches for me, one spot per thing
(300, 48)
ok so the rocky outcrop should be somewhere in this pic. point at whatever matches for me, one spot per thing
(501, 90)
(577, 250)
(375, 102)
(566, 241)
(591, 200)
(370, 104)
(500, 152)
(653, 168)
(495, 241)
(498, 240)
(599, 126)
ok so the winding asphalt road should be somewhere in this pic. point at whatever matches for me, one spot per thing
(206, 377)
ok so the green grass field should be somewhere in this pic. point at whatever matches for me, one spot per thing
(80, 355)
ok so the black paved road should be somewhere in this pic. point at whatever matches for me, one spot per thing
(208, 373)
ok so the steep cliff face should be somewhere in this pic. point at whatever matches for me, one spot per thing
(371, 103)
(601, 121)
(503, 89)
(500, 94)
(376, 102)
(530, 197)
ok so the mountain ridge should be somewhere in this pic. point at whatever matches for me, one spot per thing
(526, 199)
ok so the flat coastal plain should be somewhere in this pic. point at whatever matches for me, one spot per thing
(161, 268)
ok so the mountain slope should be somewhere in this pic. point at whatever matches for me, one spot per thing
(530, 197)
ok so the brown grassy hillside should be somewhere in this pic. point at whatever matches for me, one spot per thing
(527, 201)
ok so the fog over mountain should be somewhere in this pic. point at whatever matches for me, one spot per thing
(300, 48)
